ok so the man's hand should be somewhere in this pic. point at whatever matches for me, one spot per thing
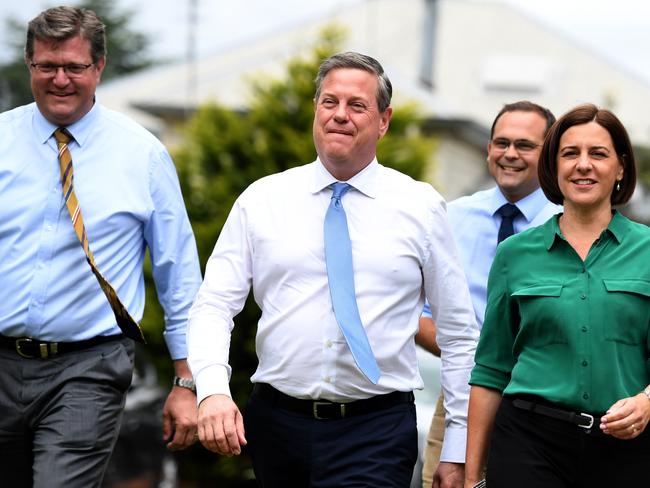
(221, 426)
(449, 475)
(179, 419)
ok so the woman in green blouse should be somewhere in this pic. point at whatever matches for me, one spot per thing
(560, 394)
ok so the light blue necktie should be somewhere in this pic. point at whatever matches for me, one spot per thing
(338, 258)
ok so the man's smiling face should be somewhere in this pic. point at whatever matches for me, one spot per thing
(513, 153)
(347, 122)
(61, 97)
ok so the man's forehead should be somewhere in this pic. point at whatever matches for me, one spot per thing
(76, 43)
(521, 122)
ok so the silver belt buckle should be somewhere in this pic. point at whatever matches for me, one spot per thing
(588, 417)
(44, 348)
(315, 409)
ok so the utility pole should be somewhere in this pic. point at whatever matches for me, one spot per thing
(192, 76)
(427, 64)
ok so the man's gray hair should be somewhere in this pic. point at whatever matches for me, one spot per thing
(59, 24)
(353, 60)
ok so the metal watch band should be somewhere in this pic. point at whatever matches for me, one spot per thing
(185, 383)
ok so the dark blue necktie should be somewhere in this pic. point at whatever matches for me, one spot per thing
(508, 212)
(338, 259)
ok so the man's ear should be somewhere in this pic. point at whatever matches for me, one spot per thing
(384, 121)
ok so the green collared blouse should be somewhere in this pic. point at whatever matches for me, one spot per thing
(573, 332)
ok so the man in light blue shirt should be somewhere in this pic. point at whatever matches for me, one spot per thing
(516, 138)
(66, 365)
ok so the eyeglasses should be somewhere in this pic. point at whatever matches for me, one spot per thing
(74, 70)
(521, 145)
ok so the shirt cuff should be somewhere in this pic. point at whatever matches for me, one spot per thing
(212, 380)
(453, 447)
(489, 378)
(176, 344)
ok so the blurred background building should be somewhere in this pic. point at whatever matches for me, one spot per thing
(459, 60)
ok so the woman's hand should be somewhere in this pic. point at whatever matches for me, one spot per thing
(627, 418)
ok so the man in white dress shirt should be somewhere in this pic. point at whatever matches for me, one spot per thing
(316, 417)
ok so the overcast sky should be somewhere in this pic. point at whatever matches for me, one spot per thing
(619, 29)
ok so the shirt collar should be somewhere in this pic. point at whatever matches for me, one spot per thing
(80, 130)
(617, 228)
(529, 206)
(365, 180)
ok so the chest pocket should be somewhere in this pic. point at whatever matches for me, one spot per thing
(541, 319)
(628, 309)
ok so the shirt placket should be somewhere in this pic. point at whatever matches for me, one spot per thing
(42, 264)
(586, 326)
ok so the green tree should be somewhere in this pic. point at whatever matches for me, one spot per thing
(127, 52)
(225, 151)
(642, 157)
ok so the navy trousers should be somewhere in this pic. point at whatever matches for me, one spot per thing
(534, 451)
(293, 450)
(60, 416)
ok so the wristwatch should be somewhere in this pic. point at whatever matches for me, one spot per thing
(480, 484)
(185, 383)
(646, 392)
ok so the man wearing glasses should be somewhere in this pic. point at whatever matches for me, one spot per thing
(84, 192)
(482, 220)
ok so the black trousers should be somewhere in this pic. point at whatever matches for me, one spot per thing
(295, 450)
(533, 451)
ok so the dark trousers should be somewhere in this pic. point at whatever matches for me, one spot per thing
(294, 450)
(59, 417)
(533, 451)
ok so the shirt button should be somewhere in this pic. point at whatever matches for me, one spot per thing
(584, 328)
(585, 363)
(328, 344)
(583, 296)
(585, 396)
(582, 271)
(327, 379)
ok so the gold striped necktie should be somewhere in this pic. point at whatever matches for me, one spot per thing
(129, 327)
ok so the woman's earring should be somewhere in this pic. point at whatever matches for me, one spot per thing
(618, 185)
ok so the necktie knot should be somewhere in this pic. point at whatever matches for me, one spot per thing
(339, 189)
(62, 135)
(508, 211)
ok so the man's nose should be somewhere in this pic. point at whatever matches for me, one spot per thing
(511, 152)
(341, 114)
(60, 77)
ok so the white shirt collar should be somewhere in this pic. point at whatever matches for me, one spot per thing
(364, 181)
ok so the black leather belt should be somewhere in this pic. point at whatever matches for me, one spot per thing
(581, 419)
(326, 410)
(33, 348)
